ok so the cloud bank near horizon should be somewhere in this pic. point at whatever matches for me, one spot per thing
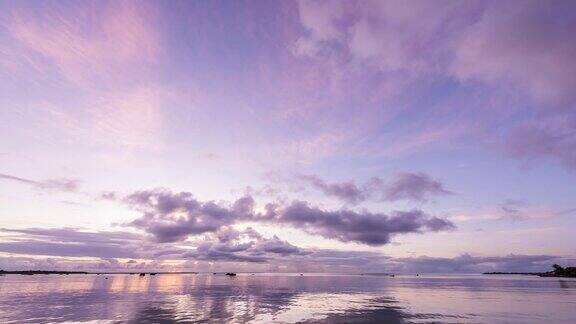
(68, 248)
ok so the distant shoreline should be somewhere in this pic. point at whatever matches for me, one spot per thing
(558, 272)
(539, 274)
(514, 273)
(47, 272)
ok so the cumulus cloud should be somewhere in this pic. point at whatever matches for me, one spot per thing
(172, 217)
(517, 48)
(417, 187)
(536, 54)
(243, 246)
(350, 226)
(57, 184)
(536, 50)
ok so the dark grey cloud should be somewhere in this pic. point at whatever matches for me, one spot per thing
(58, 184)
(418, 187)
(171, 217)
(351, 226)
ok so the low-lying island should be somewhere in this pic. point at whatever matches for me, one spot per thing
(559, 271)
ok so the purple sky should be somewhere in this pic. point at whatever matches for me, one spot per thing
(288, 136)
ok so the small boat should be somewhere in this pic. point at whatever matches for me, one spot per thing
(231, 274)
(152, 273)
(142, 274)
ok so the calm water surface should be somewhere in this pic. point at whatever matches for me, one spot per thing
(273, 298)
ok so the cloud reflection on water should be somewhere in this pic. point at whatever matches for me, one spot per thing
(265, 298)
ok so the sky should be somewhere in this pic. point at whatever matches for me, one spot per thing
(374, 136)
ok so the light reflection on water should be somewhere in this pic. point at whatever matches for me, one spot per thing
(267, 298)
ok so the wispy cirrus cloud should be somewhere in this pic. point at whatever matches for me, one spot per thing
(171, 217)
(87, 43)
(518, 210)
(70, 242)
(58, 184)
(107, 53)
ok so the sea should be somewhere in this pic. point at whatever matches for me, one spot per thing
(286, 298)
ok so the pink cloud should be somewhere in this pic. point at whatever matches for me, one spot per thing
(515, 210)
(131, 119)
(549, 137)
(88, 43)
(106, 51)
(527, 42)
(320, 18)
(517, 49)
